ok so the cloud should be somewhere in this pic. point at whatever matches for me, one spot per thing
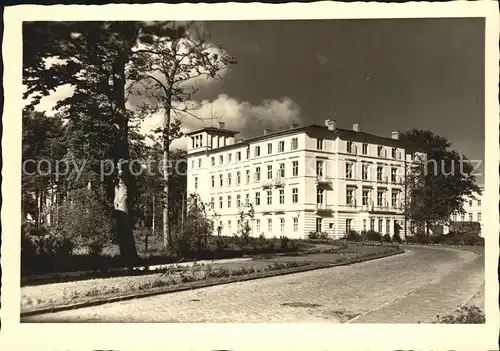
(238, 115)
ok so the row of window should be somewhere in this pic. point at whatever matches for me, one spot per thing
(478, 203)
(375, 224)
(366, 197)
(258, 225)
(294, 144)
(470, 217)
(257, 198)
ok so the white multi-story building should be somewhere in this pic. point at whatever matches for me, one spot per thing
(473, 209)
(313, 178)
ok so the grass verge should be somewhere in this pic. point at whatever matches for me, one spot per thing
(60, 296)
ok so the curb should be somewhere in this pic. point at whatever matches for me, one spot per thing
(205, 284)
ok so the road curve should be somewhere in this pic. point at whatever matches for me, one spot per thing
(409, 288)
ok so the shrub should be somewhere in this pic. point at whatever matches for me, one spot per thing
(312, 235)
(284, 242)
(436, 239)
(372, 235)
(421, 238)
(387, 238)
(353, 236)
(87, 220)
(464, 315)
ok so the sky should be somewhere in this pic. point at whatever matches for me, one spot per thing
(388, 74)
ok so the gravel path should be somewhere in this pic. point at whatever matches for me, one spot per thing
(408, 288)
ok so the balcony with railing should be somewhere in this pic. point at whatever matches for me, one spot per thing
(267, 183)
(279, 182)
(382, 205)
(322, 207)
(323, 180)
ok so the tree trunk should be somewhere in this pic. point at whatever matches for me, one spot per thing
(124, 232)
(167, 238)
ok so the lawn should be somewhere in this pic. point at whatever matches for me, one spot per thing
(59, 294)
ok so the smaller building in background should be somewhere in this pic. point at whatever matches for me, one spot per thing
(473, 211)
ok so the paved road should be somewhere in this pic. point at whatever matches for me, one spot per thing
(408, 288)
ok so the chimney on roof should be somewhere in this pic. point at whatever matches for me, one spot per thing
(293, 125)
(331, 124)
(222, 125)
(395, 135)
(356, 127)
(267, 131)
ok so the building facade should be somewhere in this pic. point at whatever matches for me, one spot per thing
(316, 178)
(473, 210)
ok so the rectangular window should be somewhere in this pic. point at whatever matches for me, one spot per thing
(372, 224)
(387, 226)
(319, 144)
(238, 200)
(295, 195)
(221, 202)
(364, 197)
(295, 144)
(221, 159)
(394, 172)
(479, 203)
(192, 164)
(248, 153)
(257, 174)
(349, 198)
(213, 161)
(394, 199)
(229, 201)
(229, 158)
(364, 225)
(229, 179)
(319, 168)
(379, 173)
(212, 203)
(257, 151)
(199, 162)
(348, 225)
(270, 225)
(257, 199)
(269, 172)
(229, 227)
(238, 156)
(247, 199)
(295, 168)
(269, 148)
(462, 217)
(238, 178)
(380, 225)
(282, 196)
(282, 170)
(221, 180)
(248, 176)
(470, 217)
(281, 146)
(196, 182)
(380, 198)
(479, 216)
(269, 197)
(364, 171)
(349, 146)
(319, 225)
(257, 225)
(348, 170)
(319, 196)
(393, 152)
(295, 224)
(282, 225)
(380, 151)
(365, 149)
(213, 181)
